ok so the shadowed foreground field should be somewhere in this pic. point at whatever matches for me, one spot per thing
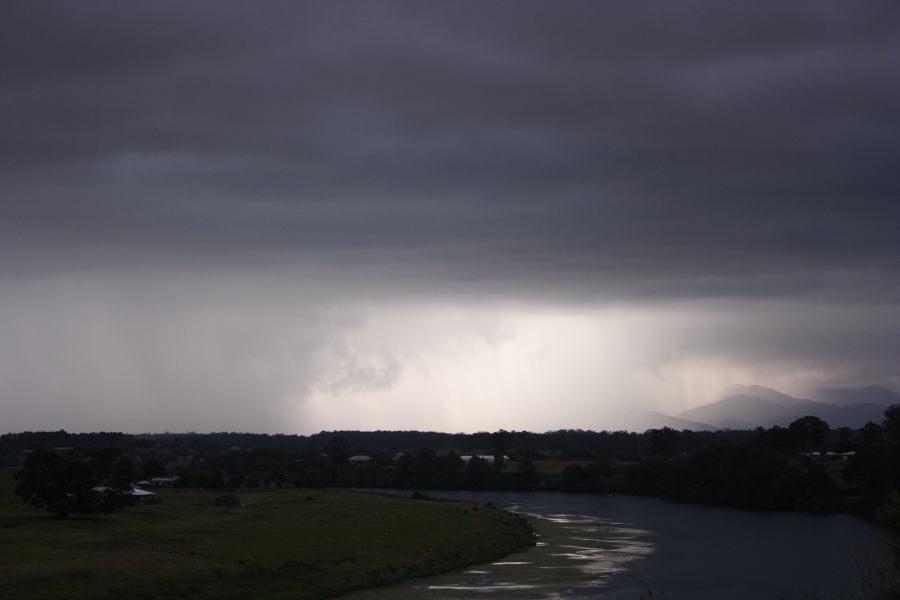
(285, 543)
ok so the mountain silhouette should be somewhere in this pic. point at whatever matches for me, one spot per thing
(642, 420)
(748, 407)
(871, 394)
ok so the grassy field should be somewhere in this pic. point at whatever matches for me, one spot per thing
(286, 543)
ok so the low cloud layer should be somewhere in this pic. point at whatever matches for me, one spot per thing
(208, 209)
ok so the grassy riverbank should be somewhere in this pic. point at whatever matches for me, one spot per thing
(286, 543)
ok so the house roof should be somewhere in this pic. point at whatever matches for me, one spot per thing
(132, 492)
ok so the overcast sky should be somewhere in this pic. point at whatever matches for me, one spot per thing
(460, 216)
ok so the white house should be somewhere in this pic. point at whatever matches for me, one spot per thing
(488, 457)
(139, 496)
(136, 496)
(360, 459)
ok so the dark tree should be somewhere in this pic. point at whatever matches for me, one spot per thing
(103, 462)
(478, 473)
(872, 434)
(891, 424)
(845, 441)
(498, 440)
(338, 450)
(123, 474)
(153, 467)
(809, 432)
(528, 475)
(664, 442)
(61, 485)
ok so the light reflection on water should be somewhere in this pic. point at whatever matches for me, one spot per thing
(574, 557)
(623, 547)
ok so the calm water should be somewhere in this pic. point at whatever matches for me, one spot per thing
(617, 547)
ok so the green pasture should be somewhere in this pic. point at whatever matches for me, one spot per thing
(280, 543)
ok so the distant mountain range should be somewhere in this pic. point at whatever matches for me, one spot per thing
(642, 420)
(872, 394)
(748, 407)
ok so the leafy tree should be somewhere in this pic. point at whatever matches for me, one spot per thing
(809, 432)
(103, 462)
(872, 434)
(845, 441)
(498, 440)
(528, 475)
(452, 467)
(405, 467)
(572, 478)
(872, 468)
(153, 467)
(338, 450)
(61, 485)
(664, 442)
(891, 424)
(423, 465)
(123, 474)
(499, 463)
(478, 473)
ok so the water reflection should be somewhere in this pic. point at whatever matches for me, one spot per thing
(574, 557)
(622, 547)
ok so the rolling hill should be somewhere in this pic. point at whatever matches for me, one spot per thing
(872, 394)
(747, 407)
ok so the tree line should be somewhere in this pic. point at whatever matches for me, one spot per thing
(766, 469)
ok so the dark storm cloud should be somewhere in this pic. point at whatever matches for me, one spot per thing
(644, 149)
(281, 215)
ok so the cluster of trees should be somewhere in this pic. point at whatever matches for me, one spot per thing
(763, 468)
(12, 445)
(768, 469)
(749, 475)
(64, 483)
(776, 468)
(422, 468)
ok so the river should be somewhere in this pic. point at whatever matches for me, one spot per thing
(618, 547)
